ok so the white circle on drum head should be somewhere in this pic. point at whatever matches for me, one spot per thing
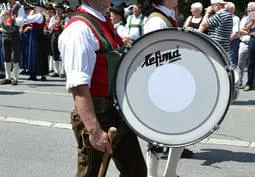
(171, 88)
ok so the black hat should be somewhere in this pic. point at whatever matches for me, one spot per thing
(39, 3)
(50, 7)
(69, 10)
(28, 7)
(59, 5)
(118, 10)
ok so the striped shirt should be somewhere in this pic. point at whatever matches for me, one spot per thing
(221, 25)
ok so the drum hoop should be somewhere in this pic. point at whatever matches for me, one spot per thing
(216, 47)
(209, 115)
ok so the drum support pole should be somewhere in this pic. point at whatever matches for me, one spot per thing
(112, 132)
(174, 156)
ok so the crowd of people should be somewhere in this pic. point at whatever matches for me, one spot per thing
(40, 38)
(38, 25)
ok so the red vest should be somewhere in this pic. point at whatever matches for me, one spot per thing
(100, 79)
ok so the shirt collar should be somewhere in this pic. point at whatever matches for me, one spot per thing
(93, 12)
(168, 12)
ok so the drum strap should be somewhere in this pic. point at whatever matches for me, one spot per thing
(168, 20)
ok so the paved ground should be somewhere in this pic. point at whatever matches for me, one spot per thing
(37, 141)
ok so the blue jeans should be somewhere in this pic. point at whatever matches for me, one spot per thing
(234, 47)
(251, 62)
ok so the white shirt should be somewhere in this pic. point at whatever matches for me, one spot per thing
(121, 30)
(236, 25)
(77, 45)
(34, 18)
(244, 38)
(156, 23)
(134, 33)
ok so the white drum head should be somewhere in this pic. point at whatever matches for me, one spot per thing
(172, 87)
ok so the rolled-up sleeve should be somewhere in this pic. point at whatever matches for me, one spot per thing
(77, 46)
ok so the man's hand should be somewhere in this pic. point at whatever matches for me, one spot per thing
(100, 141)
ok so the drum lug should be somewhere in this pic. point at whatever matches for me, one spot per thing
(115, 104)
(216, 127)
(230, 68)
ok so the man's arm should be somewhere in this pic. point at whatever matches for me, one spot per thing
(204, 25)
(84, 104)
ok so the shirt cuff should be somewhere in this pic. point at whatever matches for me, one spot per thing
(76, 79)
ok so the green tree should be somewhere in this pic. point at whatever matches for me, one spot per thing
(184, 6)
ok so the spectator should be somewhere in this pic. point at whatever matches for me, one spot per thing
(135, 22)
(243, 48)
(235, 35)
(220, 23)
(196, 17)
(250, 26)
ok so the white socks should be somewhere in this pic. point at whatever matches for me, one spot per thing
(16, 71)
(152, 164)
(174, 156)
(8, 67)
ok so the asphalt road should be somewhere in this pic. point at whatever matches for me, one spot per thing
(37, 140)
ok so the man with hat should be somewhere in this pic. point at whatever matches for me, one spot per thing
(12, 20)
(220, 23)
(56, 25)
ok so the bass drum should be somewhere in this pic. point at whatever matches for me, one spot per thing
(173, 87)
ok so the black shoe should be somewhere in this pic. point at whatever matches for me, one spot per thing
(43, 78)
(187, 153)
(6, 81)
(33, 78)
(2, 76)
(54, 75)
(14, 82)
(23, 72)
(62, 75)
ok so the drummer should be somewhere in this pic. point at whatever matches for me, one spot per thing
(163, 16)
(86, 69)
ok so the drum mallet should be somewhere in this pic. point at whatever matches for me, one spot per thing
(112, 132)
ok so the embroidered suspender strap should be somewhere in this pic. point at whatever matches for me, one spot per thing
(139, 25)
(97, 30)
(163, 17)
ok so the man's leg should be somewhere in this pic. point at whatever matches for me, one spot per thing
(172, 161)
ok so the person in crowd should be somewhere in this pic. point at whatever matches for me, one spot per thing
(69, 13)
(82, 45)
(250, 26)
(38, 48)
(235, 35)
(196, 17)
(135, 22)
(163, 16)
(50, 12)
(56, 25)
(243, 48)
(12, 20)
(219, 22)
(118, 21)
(1, 57)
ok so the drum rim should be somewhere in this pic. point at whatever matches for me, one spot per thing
(216, 47)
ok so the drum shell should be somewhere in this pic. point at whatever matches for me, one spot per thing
(220, 58)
